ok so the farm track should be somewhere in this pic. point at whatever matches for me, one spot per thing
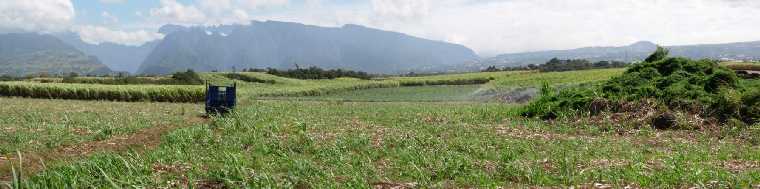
(145, 139)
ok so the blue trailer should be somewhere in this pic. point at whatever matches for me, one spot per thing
(220, 99)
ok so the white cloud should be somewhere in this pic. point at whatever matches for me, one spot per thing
(526, 25)
(487, 26)
(209, 12)
(38, 15)
(172, 11)
(404, 10)
(113, 1)
(257, 4)
(108, 18)
(99, 34)
(498, 26)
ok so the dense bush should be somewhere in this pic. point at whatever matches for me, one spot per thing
(318, 73)
(188, 77)
(750, 108)
(677, 84)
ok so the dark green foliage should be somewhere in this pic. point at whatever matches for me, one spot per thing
(127, 80)
(659, 54)
(10, 78)
(750, 108)
(255, 70)
(318, 73)
(188, 77)
(558, 65)
(551, 103)
(247, 78)
(721, 79)
(678, 84)
(491, 69)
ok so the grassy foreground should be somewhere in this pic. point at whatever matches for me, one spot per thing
(329, 143)
(38, 124)
(334, 144)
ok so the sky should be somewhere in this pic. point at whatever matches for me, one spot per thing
(489, 27)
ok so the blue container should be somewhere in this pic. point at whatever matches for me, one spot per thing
(220, 99)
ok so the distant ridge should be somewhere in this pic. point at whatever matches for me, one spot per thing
(634, 52)
(285, 45)
(123, 58)
(31, 53)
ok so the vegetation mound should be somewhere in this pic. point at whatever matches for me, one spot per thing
(663, 84)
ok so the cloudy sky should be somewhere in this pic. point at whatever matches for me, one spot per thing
(487, 26)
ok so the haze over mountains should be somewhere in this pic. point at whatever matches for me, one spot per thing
(631, 53)
(31, 53)
(286, 45)
(121, 58)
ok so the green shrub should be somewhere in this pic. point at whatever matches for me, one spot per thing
(188, 77)
(658, 55)
(750, 108)
(678, 84)
(720, 79)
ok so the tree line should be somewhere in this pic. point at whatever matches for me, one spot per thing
(312, 72)
(561, 65)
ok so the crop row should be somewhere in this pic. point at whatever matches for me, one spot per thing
(131, 93)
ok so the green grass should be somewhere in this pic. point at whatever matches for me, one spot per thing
(38, 124)
(329, 143)
(287, 87)
(353, 144)
(535, 79)
(435, 93)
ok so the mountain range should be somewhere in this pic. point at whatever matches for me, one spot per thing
(630, 53)
(121, 58)
(31, 53)
(288, 45)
